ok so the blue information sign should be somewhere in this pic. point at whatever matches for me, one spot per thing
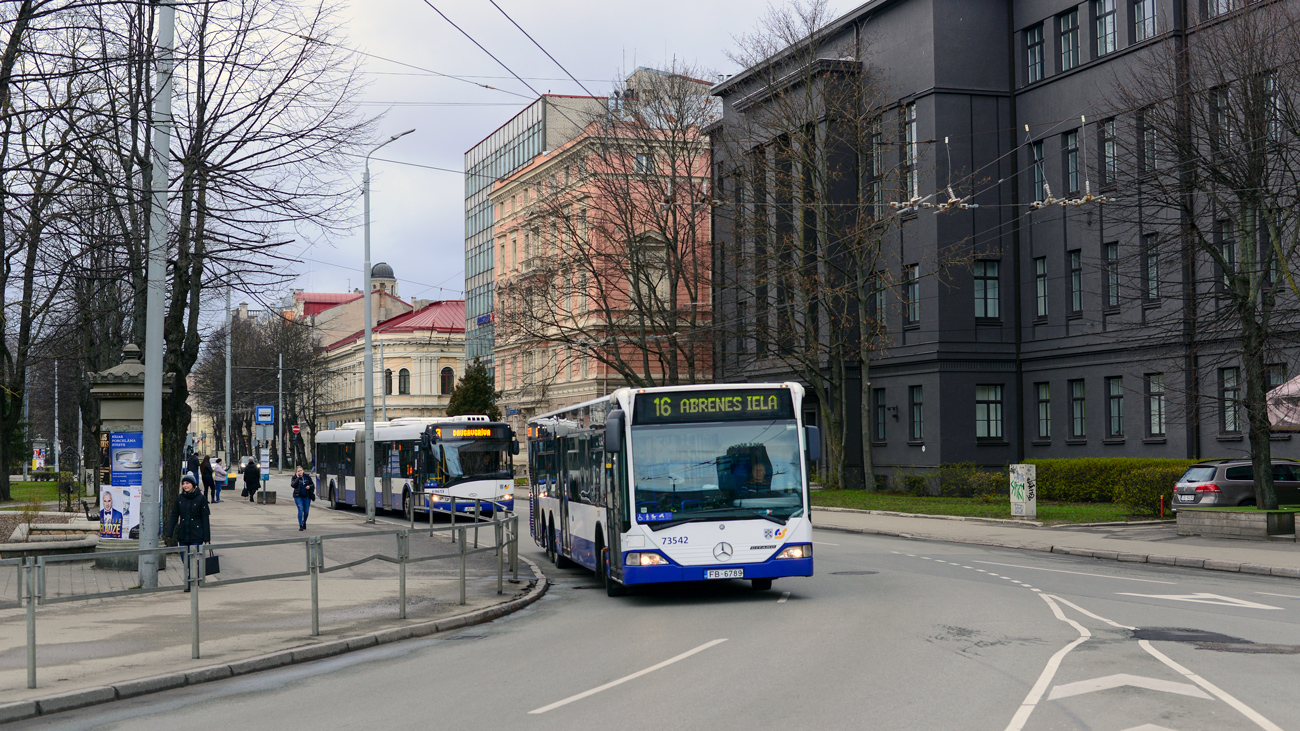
(127, 455)
(264, 415)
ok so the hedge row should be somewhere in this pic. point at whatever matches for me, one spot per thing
(1130, 480)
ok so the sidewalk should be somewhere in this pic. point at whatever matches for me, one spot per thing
(103, 642)
(1142, 543)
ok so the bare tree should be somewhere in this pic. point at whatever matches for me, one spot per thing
(1209, 128)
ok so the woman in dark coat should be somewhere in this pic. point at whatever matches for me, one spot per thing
(205, 473)
(189, 521)
(252, 479)
(304, 491)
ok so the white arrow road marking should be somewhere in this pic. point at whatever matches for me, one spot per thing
(1123, 679)
(1077, 573)
(1223, 695)
(626, 678)
(1203, 598)
(1019, 720)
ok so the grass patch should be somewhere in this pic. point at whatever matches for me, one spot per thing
(1000, 507)
(25, 491)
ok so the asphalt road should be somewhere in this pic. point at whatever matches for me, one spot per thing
(890, 634)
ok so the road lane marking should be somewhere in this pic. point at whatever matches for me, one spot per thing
(784, 595)
(1148, 727)
(1288, 596)
(1121, 680)
(819, 543)
(626, 678)
(1242, 708)
(1045, 678)
(1079, 573)
(1086, 613)
(1203, 598)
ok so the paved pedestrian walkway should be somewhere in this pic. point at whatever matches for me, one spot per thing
(1152, 543)
(90, 643)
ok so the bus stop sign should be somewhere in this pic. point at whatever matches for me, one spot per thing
(265, 415)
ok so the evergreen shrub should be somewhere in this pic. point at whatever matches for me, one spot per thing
(1097, 479)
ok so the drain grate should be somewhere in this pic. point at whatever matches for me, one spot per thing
(853, 573)
(1215, 641)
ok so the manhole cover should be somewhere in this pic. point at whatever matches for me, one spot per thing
(1213, 641)
(853, 573)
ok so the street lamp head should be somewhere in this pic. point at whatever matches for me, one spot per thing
(400, 134)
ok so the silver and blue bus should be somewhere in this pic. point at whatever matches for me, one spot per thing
(444, 462)
(676, 484)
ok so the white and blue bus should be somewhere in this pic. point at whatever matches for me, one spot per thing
(418, 461)
(673, 484)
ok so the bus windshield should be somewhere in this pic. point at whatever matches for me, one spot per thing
(458, 461)
(717, 471)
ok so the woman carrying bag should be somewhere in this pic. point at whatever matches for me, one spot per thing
(304, 491)
(218, 478)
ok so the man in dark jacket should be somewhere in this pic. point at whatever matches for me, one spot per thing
(252, 479)
(189, 521)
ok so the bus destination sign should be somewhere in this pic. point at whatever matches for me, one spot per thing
(471, 432)
(723, 405)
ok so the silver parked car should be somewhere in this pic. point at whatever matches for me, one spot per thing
(1232, 482)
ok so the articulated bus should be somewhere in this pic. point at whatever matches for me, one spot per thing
(418, 461)
(673, 484)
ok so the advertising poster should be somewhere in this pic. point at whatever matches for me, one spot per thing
(119, 512)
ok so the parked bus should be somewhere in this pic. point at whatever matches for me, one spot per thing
(419, 461)
(688, 483)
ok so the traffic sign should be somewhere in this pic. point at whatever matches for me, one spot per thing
(296, 428)
(265, 415)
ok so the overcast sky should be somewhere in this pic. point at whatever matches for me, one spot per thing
(417, 222)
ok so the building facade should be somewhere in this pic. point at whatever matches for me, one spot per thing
(1058, 332)
(423, 357)
(544, 125)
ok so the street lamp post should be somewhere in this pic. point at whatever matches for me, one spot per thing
(369, 369)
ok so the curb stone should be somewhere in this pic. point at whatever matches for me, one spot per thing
(1180, 561)
(23, 710)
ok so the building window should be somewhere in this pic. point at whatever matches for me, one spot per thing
(911, 186)
(404, 382)
(1230, 400)
(1115, 407)
(876, 170)
(1144, 20)
(388, 382)
(986, 289)
(1221, 121)
(988, 412)
(1104, 12)
(1040, 172)
(1223, 233)
(1034, 53)
(1146, 142)
(1040, 284)
(1044, 394)
(1156, 404)
(1078, 411)
(1070, 153)
(1076, 281)
(914, 399)
(912, 293)
(1275, 375)
(878, 306)
(1111, 252)
(447, 379)
(742, 327)
(645, 163)
(878, 427)
(1215, 8)
(1106, 151)
(1150, 267)
(1068, 24)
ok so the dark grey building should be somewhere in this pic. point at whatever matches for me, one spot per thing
(1060, 333)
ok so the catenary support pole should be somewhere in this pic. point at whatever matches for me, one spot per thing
(30, 571)
(156, 299)
(58, 465)
(230, 455)
(383, 393)
(279, 416)
(192, 556)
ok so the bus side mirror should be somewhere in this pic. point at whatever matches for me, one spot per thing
(814, 439)
(614, 431)
(514, 447)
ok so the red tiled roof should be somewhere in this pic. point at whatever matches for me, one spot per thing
(445, 316)
(314, 303)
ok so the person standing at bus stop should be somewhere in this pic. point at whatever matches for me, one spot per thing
(189, 521)
(205, 474)
(304, 492)
(218, 478)
(252, 479)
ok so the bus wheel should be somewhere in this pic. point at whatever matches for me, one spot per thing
(551, 553)
(761, 584)
(408, 509)
(334, 497)
(612, 587)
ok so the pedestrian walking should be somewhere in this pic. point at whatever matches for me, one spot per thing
(304, 492)
(218, 478)
(192, 464)
(252, 479)
(209, 482)
(189, 521)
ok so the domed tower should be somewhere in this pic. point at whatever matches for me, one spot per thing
(382, 279)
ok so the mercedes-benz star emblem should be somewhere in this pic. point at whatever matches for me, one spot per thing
(722, 551)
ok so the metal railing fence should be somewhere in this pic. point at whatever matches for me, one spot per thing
(31, 586)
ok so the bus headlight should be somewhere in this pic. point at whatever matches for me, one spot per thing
(507, 496)
(645, 559)
(441, 499)
(800, 551)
